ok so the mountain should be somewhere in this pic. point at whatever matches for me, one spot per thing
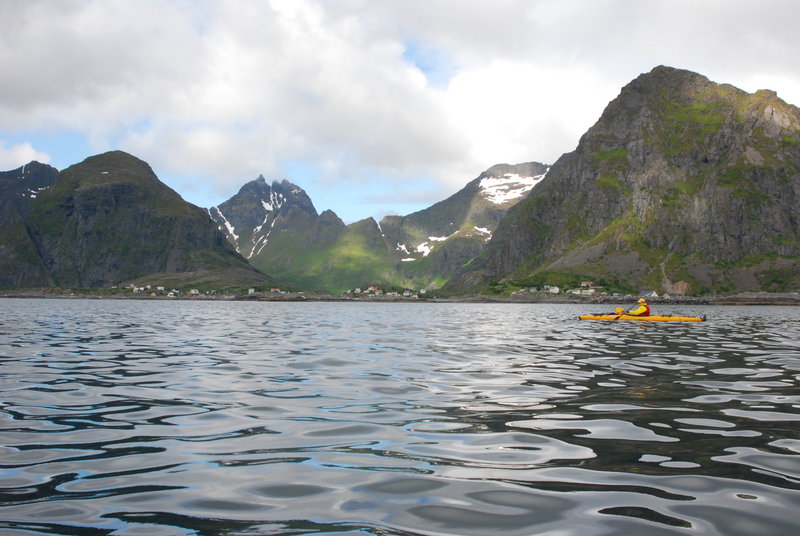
(277, 228)
(683, 185)
(105, 221)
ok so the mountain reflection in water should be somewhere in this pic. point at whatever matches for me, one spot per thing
(150, 417)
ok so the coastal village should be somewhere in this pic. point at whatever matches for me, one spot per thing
(586, 290)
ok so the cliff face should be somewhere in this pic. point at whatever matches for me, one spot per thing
(682, 185)
(109, 219)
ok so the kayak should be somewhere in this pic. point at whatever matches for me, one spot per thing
(651, 318)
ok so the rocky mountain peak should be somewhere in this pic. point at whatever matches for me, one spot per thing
(679, 173)
(249, 218)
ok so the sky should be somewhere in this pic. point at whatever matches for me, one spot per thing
(373, 107)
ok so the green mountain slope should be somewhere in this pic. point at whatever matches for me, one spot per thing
(355, 255)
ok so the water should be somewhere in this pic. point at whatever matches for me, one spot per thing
(179, 418)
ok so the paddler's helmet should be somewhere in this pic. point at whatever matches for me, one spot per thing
(642, 300)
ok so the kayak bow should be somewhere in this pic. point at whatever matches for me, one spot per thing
(651, 318)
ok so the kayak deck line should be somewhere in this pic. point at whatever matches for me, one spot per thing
(651, 318)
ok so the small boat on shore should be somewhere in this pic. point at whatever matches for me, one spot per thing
(650, 318)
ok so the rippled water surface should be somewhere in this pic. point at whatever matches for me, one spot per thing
(172, 418)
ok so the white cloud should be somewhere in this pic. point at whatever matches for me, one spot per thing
(286, 82)
(14, 156)
(517, 111)
(212, 93)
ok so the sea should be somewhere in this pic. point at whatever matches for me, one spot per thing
(151, 417)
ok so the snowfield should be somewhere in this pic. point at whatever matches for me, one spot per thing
(500, 190)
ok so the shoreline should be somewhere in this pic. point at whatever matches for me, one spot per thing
(746, 298)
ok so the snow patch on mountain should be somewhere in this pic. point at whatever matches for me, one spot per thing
(228, 227)
(483, 231)
(32, 193)
(275, 202)
(500, 190)
(257, 228)
(260, 241)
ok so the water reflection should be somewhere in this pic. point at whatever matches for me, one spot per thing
(131, 417)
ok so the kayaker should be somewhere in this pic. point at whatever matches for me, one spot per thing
(642, 310)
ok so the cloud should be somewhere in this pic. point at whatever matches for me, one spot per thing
(14, 156)
(97, 63)
(517, 111)
(358, 92)
(285, 81)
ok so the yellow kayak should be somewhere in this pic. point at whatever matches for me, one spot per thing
(651, 318)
